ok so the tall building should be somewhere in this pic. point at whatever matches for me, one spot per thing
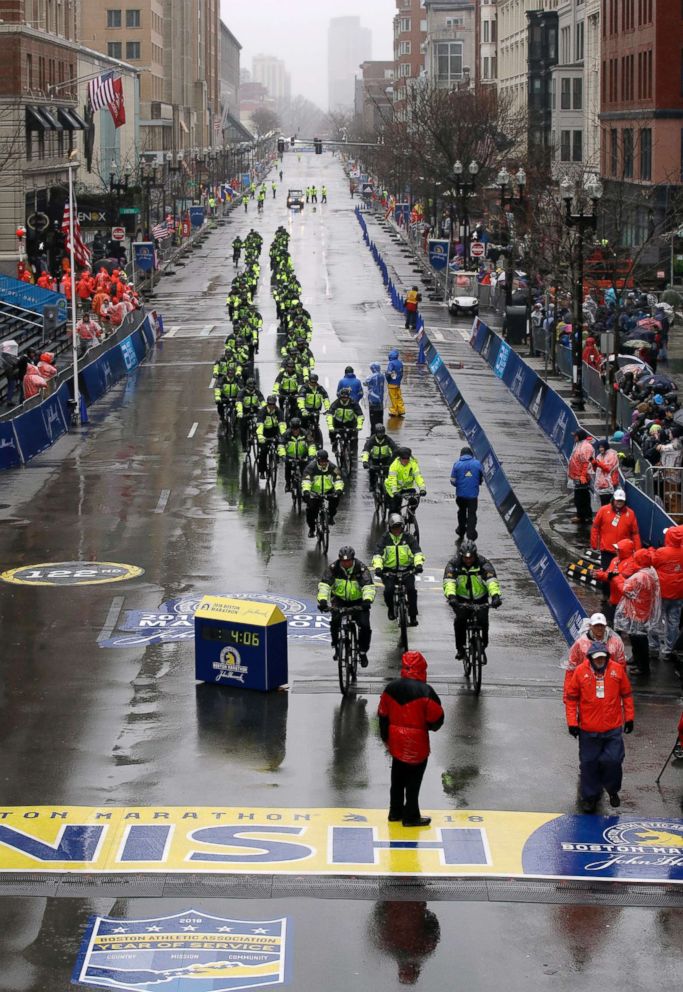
(374, 92)
(451, 52)
(348, 44)
(177, 41)
(487, 34)
(513, 47)
(641, 112)
(39, 117)
(272, 73)
(410, 33)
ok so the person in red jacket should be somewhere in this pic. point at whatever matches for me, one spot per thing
(591, 354)
(408, 709)
(612, 523)
(606, 468)
(591, 631)
(599, 709)
(579, 472)
(668, 564)
(678, 750)
(623, 564)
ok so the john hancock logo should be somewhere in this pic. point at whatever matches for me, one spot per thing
(229, 666)
(188, 952)
(655, 844)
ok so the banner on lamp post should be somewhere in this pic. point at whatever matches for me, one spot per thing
(144, 255)
(438, 253)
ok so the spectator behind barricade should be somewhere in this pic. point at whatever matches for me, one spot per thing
(9, 364)
(593, 630)
(614, 522)
(89, 333)
(65, 284)
(579, 472)
(117, 313)
(621, 566)
(45, 281)
(33, 382)
(103, 280)
(85, 288)
(46, 365)
(606, 468)
(668, 564)
(591, 354)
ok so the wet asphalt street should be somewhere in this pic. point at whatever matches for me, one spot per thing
(98, 703)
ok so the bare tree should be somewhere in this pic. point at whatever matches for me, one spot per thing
(264, 121)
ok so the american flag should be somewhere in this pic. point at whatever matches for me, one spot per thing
(101, 91)
(81, 250)
(161, 231)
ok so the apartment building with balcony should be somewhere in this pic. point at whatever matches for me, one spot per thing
(410, 32)
(451, 51)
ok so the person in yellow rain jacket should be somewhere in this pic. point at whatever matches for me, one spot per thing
(404, 477)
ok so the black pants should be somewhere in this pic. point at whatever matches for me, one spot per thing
(467, 517)
(313, 505)
(289, 464)
(460, 626)
(376, 414)
(411, 318)
(404, 796)
(409, 581)
(396, 500)
(582, 502)
(263, 456)
(640, 652)
(362, 618)
(605, 498)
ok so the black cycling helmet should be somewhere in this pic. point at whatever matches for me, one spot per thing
(250, 382)
(404, 453)
(289, 363)
(347, 552)
(272, 400)
(295, 422)
(322, 456)
(344, 391)
(313, 377)
(468, 549)
(349, 370)
(230, 368)
(380, 429)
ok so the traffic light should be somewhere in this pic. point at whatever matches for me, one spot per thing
(292, 140)
(318, 145)
(281, 146)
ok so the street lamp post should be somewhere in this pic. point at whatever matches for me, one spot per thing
(582, 222)
(508, 198)
(464, 188)
(117, 189)
(72, 165)
(148, 179)
(173, 171)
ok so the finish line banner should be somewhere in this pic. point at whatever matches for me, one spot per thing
(279, 841)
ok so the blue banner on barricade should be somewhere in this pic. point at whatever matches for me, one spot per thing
(42, 425)
(9, 452)
(29, 297)
(148, 331)
(558, 421)
(546, 573)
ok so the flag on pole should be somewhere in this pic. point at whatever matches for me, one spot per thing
(107, 91)
(81, 250)
(161, 231)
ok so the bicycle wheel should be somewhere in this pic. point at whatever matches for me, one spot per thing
(467, 660)
(343, 662)
(353, 652)
(403, 617)
(477, 652)
(411, 525)
(323, 529)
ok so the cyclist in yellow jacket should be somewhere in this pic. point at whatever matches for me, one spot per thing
(322, 479)
(347, 582)
(395, 552)
(404, 477)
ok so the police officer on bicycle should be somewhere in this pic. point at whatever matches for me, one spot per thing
(322, 479)
(469, 578)
(379, 452)
(295, 446)
(345, 414)
(404, 477)
(269, 428)
(347, 582)
(396, 551)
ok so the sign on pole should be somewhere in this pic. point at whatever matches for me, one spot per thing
(438, 253)
(118, 233)
(144, 254)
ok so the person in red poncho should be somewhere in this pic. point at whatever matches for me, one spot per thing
(579, 471)
(668, 564)
(408, 709)
(591, 354)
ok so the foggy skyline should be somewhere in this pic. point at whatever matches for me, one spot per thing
(297, 33)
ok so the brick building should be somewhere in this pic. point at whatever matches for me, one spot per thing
(410, 33)
(374, 90)
(641, 110)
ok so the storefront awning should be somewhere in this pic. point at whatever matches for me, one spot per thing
(35, 120)
(70, 119)
(50, 114)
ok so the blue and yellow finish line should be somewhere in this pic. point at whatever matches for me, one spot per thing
(358, 842)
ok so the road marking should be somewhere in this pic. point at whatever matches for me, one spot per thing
(439, 336)
(112, 619)
(172, 332)
(193, 429)
(206, 330)
(212, 383)
(163, 500)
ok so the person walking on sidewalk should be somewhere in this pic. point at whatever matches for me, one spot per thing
(394, 377)
(599, 709)
(408, 709)
(413, 297)
(466, 479)
(579, 472)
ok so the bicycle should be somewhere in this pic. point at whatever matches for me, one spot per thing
(288, 406)
(378, 491)
(409, 504)
(312, 424)
(295, 484)
(474, 647)
(271, 463)
(251, 448)
(400, 605)
(229, 417)
(346, 652)
(322, 525)
(343, 448)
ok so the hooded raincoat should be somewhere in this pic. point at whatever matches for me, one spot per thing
(408, 709)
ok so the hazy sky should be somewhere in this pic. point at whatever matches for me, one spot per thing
(296, 31)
